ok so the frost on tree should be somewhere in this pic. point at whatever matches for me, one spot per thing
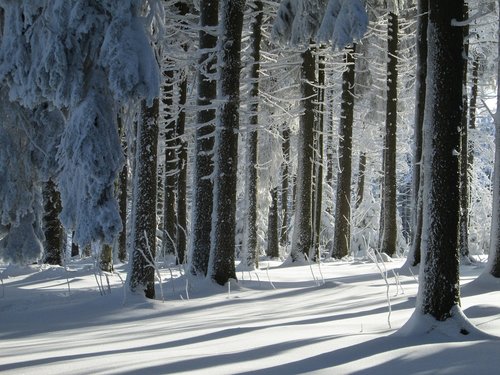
(86, 59)
(26, 139)
(339, 22)
(439, 275)
(222, 250)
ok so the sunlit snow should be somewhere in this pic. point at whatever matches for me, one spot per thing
(331, 319)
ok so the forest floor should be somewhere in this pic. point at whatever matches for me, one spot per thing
(306, 319)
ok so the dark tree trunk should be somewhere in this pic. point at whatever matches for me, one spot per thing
(142, 274)
(169, 240)
(302, 230)
(203, 168)
(318, 194)
(226, 150)
(123, 198)
(272, 226)
(439, 274)
(414, 254)
(464, 155)
(182, 159)
(285, 178)
(389, 225)
(342, 229)
(183, 8)
(106, 258)
(251, 187)
(361, 178)
(472, 107)
(54, 231)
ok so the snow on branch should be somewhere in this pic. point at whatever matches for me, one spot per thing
(338, 22)
(90, 157)
(345, 21)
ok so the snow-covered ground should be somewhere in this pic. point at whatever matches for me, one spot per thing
(277, 320)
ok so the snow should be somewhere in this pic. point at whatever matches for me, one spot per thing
(332, 323)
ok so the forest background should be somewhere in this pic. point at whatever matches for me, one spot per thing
(263, 143)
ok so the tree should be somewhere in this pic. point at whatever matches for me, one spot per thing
(342, 230)
(252, 140)
(169, 241)
(318, 156)
(272, 226)
(302, 242)
(222, 267)
(142, 256)
(464, 153)
(182, 154)
(202, 170)
(25, 169)
(413, 258)
(54, 231)
(439, 275)
(285, 178)
(123, 197)
(87, 62)
(339, 23)
(389, 227)
(493, 266)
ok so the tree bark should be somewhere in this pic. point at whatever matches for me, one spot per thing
(123, 198)
(53, 229)
(389, 226)
(142, 272)
(106, 258)
(285, 178)
(360, 192)
(226, 150)
(493, 266)
(252, 140)
(422, 21)
(464, 154)
(182, 161)
(318, 194)
(203, 168)
(169, 240)
(272, 226)
(302, 230)
(439, 274)
(342, 230)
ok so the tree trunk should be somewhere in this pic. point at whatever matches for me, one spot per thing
(439, 275)
(169, 240)
(422, 20)
(182, 161)
(318, 197)
(54, 231)
(342, 229)
(106, 258)
(285, 178)
(464, 155)
(389, 226)
(75, 249)
(226, 150)
(472, 107)
(142, 272)
(493, 266)
(273, 250)
(251, 182)
(202, 184)
(302, 229)
(361, 178)
(123, 198)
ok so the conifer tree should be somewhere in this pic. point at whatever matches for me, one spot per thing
(202, 170)
(222, 267)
